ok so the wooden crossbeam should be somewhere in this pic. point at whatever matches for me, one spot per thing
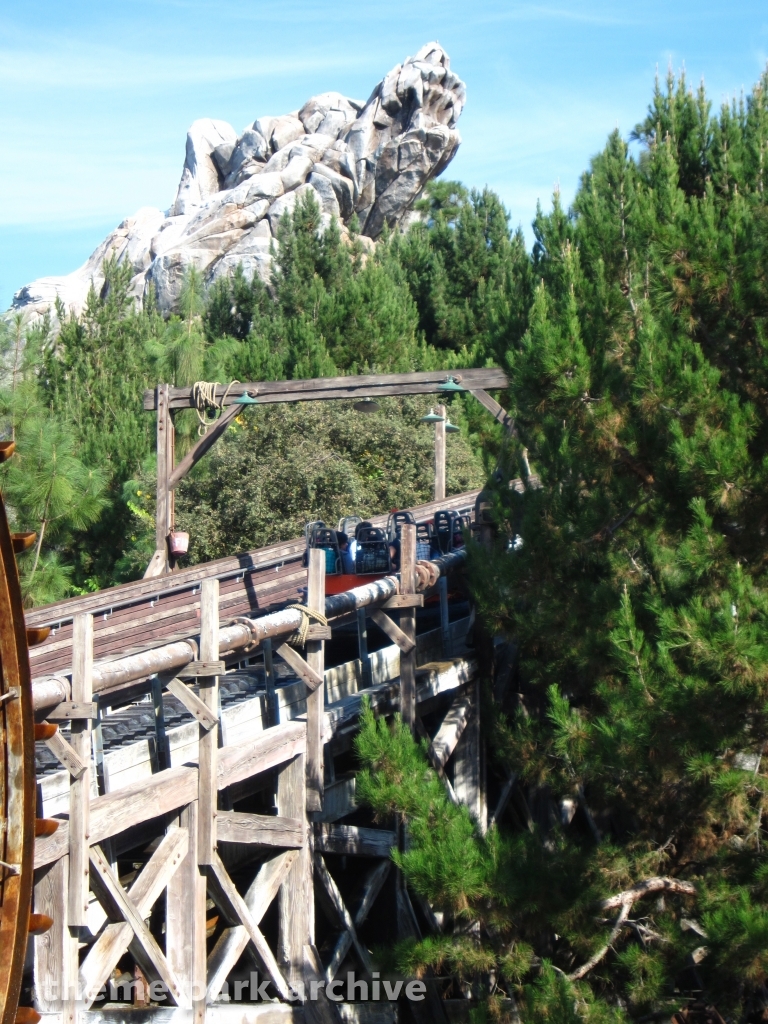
(341, 912)
(307, 674)
(193, 704)
(393, 631)
(371, 889)
(404, 601)
(259, 829)
(451, 729)
(116, 937)
(499, 414)
(233, 941)
(235, 909)
(67, 710)
(66, 755)
(353, 841)
(211, 436)
(423, 382)
(118, 906)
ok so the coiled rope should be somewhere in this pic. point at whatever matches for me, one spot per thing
(204, 397)
(299, 638)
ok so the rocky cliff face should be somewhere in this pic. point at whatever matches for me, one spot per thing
(370, 159)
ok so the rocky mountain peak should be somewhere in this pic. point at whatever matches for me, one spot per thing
(367, 159)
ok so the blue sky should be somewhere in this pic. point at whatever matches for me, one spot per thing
(96, 98)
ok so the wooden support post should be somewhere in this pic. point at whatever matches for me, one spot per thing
(80, 788)
(362, 640)
(52, 948)
(273, 709)
(208, 739)
(164, 504)
(296, 903)
(408, 625)
(468, 771)
(316, 699)
(445, 624)
(185, 922)
(440, 454)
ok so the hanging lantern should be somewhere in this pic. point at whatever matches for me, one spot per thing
(245, 399)
(451, 385)
(366, 405)
(431, 417)
(451, 429)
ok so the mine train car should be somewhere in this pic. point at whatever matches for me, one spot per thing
(357, 552)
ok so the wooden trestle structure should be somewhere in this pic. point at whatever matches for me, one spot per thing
(191, 857)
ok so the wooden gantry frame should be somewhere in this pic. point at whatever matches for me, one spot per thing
(165, 399)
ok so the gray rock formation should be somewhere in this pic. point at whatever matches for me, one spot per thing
(370, 159)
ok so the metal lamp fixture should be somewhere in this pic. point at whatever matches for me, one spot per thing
(451, 429)
(245, 399)
(367, 405)
(431, 417)
(451, 385)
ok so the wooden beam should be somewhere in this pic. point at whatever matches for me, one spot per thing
(80, 787)
(398, 601)
(167, 791)
(296, 919)
(408, 625)
(163, 469)
(233, 941)
(259, 829)
(206, 442)
(208, 738)
(234, 907)
(68, 710)
(196, 707)
(392, 630)
(420, 383)
(305, 672)
(440, 454)
(144, 947)
(52, 948)
(67, 756)
(185, 941)
(493, 407)
(116, 937)
(371, 889)
(353, 841)
(435, 761)
(468, 781)
(315, 699)
(451, 729)
(341, 912)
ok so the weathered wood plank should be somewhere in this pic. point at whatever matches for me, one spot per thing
(353, 841)
(205, 443)
(52, 948)
(342, 914)
(371, 889)
(468, 781)
(315, 699)
(404, 601)
(295, 906)
(67, 756)
(146, 889)
(303, 670)
(144, 947)
(232, 943)
(392, 630)
(265, 751)
(208, 739)
(68, 710)
(196, 707)
(493, 407)
(408, 625)
(233, 906)
(360, 386)
(185, 901)
(80, 787)
(451, 729)
(260, 829)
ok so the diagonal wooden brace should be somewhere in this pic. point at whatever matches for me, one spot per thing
(373, 886)
(233, 941)
(393, 631)
(234, 907)
(307, 674)
(342, 913)
(117, 935)
(192, 703)
(115, 901)
(66, 755)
